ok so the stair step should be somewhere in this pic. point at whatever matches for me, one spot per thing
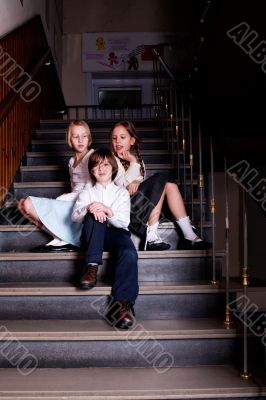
(62, 157)
(94, 343)
(16, 265)
(43, 189)
(78, 330)
(32, 173)
(152, 123)
(61, 145)
(101, 133)
(203, 382)
(64, 289)
(157, 300)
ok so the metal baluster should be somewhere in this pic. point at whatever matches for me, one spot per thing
(183, 147)
(228, 321)
(245, 281)
(191, 167)
(200, 182)
(213, 210)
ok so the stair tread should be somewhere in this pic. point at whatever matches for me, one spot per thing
(99, 330)
(141, 254)
(129, 383)
(70, 153)
(30, 227)
(95, 140)
(65, 167)
(69, 289)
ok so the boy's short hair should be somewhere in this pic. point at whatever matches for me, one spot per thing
(78, 122)
(101, 154)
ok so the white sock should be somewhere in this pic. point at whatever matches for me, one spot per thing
(185, 225)
(152, 234)
(56, 242)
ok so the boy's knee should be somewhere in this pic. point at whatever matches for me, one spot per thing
(130, 255)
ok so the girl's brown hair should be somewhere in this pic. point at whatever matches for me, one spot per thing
(77, 122)
(99, 155)
(134, 148)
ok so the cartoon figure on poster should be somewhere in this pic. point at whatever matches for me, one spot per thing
(112, 58)
(100, 43)
(133, 63)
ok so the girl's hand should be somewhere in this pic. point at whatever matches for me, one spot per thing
(127, 156)
(133, 187)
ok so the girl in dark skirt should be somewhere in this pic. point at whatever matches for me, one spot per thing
(148, 195)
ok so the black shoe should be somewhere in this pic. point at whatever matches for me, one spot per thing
(157, 246)
(185, 244)
(89, 277)
(55, 249)
(120, 314)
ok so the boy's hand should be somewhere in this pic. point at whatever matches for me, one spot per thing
(100, 216)
(96, 207)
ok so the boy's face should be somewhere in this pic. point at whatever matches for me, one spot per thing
(103, 172)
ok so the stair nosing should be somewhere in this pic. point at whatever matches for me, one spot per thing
(141, 255)
(96, 330)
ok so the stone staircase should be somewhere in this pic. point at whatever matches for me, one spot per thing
(54, 340)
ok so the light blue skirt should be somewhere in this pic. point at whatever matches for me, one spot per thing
(55, 215)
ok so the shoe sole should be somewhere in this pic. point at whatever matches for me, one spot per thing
(86, 286)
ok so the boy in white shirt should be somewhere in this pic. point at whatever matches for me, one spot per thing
(104, 210)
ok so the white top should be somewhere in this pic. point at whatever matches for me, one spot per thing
(125, 177)
(117, 198)
(79, 177)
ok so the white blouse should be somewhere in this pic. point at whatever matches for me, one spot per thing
(79, 177)
(113, 196)
(125, 177)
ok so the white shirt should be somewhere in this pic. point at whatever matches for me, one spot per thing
(117, 198)
(79, 177)
(125, 177)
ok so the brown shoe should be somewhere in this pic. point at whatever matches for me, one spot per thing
(121, 314)
(89, 278)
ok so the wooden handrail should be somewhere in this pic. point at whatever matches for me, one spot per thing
(35, 94)
(12, 96)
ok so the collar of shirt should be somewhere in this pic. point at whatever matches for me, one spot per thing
(102, 188)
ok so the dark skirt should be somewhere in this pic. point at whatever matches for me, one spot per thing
(145, 199)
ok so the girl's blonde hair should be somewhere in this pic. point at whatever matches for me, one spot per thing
(77, 122)
(135, 148)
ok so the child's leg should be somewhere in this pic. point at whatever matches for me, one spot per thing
(119, 243)
(26, 208)
(153, 240)
(92, 238)
(176, 205)
(125, 287)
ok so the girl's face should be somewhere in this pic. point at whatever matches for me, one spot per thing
(103, 172)
(121, 140)
(79, 139)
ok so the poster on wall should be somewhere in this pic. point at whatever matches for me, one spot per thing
(121, 51)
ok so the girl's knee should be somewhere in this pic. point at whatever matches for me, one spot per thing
(25, 205)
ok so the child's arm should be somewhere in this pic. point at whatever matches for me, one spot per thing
(80, 208)
(120, 210)
(133, 173)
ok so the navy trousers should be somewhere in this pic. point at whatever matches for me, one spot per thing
(97, 237)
